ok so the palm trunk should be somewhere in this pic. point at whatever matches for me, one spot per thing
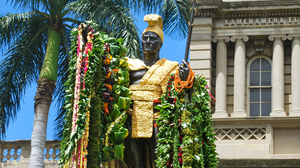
(42, 104)
(43, 99)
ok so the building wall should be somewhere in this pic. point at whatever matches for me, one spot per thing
(230, 73)
(270, 141)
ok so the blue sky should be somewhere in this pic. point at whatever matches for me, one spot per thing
(21, 127)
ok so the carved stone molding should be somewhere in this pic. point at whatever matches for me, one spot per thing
(277, 36)
(216, 38)
(244, 38)
(259, 45)
(242, 15)
(240, 133)
(293, 36)
(205, 14)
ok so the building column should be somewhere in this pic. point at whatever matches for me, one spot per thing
(295, 75)
(221, 77)
(278, 76)
(239, 76)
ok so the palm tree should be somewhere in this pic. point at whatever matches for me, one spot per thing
(38, 43)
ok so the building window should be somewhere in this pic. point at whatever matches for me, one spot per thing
(259, 86)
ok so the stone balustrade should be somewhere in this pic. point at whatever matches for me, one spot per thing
(15, 154)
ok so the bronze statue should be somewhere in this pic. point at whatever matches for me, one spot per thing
(148, 79)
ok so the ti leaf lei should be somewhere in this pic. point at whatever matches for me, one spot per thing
(97, 87)
(116, 100)
(185, 137)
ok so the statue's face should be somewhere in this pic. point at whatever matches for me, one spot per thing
(151, 42)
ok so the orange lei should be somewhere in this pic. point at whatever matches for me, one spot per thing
(179, 85)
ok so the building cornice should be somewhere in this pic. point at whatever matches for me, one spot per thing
(245, 15)
(252, 120)
(220, 9)
(266, 4)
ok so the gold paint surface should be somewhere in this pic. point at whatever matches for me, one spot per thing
(145, 88)
(142, 119)
(145, 95)
(149, 89)
(155, 24)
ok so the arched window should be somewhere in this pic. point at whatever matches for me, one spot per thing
(259, 86)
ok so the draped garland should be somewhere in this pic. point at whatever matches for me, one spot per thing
(97, 87)
(116, 100)
(185, 137)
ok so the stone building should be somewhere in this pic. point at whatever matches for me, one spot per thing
(250, 53)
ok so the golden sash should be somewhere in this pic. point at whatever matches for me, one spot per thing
(150, 88)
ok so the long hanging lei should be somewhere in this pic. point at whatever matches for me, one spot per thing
(97, 86)
(116, 100)
(185, 137)
(77, 104)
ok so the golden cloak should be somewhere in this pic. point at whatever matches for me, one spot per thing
(151, 87)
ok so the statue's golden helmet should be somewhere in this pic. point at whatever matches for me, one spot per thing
(155, 24)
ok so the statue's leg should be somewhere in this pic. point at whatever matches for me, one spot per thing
(152, 142)
(135, 149)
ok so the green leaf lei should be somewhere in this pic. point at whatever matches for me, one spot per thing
(105, 96)
(185, 137)
(116, 94)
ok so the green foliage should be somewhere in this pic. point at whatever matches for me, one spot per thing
(93, 159)
(186, 137)
(175, 26)
(107, 66)
(117, 20)
(118, 99)
(21, 64)
(70, 139)
(25, 37)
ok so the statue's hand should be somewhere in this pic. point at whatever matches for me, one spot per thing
(184, 71)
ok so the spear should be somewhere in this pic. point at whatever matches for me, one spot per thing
(191, 23)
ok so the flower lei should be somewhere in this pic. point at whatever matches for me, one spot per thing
(179, 85)
(96, 86)
(77, 104)
(185, 137)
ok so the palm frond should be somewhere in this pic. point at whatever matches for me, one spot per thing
(72, 20)
(120, 24)
(147, 6)
(55, 7)
(27, 4)
(175, 14)
(62, 76)
(12, 25)
(19, 69)
(114, 18)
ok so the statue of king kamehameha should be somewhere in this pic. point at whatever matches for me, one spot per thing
(148, 78)
(98, 87)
